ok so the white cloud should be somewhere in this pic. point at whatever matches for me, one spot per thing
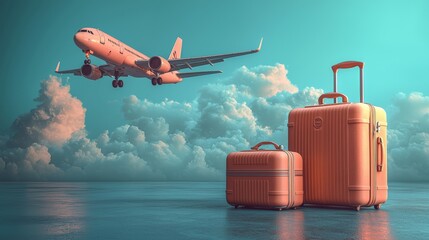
(263, 81)
(168, 140)
(54, 121)
(198, 168)
(177, 115)
(409, 138)
(411, 108)
(221, 113)
(30, 163)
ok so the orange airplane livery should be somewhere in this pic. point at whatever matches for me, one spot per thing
(122, 60)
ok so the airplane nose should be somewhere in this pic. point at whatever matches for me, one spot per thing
(79, 40)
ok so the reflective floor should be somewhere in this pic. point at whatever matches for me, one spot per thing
(189, 210)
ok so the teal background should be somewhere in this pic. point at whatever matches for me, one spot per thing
(391, 37)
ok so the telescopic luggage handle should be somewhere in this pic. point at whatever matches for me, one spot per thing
(349, 64)
(256, 147)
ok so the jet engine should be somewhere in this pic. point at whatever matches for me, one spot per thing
(159, 64)
(91, 72)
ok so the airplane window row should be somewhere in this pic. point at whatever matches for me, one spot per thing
(135, 54)
(84, 30)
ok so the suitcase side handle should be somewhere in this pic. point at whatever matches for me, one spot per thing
(256, 147)
(380, 165)
(333, 95)
(349, 64)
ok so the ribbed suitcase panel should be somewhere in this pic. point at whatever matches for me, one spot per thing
(252, 159)
(326, 162)
(259, 188)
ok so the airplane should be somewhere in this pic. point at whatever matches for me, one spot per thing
(123, 61)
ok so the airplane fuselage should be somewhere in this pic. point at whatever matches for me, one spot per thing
(113, 51)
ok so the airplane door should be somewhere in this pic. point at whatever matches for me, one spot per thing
(101, 37)
(121, 48)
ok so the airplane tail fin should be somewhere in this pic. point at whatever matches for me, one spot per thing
(177, 49)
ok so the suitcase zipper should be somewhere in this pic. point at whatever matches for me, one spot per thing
(291, 179)
(374, 129)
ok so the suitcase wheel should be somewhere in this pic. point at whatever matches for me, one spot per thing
(357, 208)
(378, 206)
(280, 209)
(235, 206)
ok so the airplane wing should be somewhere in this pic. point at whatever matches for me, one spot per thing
(177, 64)
(195, 74)
(75, 72)
(107, 69)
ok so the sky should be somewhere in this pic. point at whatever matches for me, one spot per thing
(97, 126)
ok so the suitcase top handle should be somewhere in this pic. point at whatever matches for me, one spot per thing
(349, 64)
(333, 95)
(256, 147)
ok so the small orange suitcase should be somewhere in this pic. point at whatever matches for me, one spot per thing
(264, 178)
(343, 146)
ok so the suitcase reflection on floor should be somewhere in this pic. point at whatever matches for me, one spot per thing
(308, 223)
(290, 225)
(340, 224)
(248, 223)
(374, 225)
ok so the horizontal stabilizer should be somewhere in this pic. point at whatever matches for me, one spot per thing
(195, 74)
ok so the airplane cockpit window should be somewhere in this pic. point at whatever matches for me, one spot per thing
(85, 30)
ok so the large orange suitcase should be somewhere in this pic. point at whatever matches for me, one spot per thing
(264, 178)
(343, 146)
